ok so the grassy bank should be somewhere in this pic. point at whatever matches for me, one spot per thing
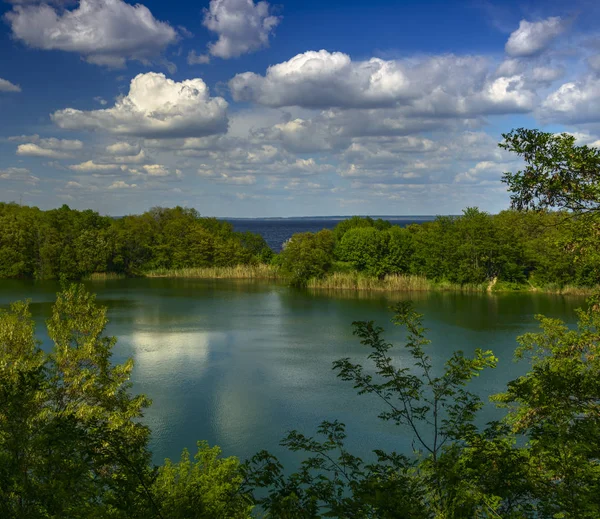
(411, 283)
(390, 283)
(261, 271)
(354, 281)
(104, 276)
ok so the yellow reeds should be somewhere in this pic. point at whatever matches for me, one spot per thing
(261, 271)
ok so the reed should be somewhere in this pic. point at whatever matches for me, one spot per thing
(356, 281)
(261, 271)
(569, 290)
(104, 276)
(390, 283)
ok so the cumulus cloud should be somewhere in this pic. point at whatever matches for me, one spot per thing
(104, 32)
(574, 102)
(531, 38)
(123, 148)
(92, 167)
(242, 26)
(225, 178)
(50, 148)
(120, 184)
(154, 107)
(7, 86)
(439, 86)
(33, 150)
(483, 171)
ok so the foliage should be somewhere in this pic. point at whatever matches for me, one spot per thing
(556, 405)
(558, 173)
(206, 488)
(71, 441)
(307, 256)
(540, 462)
(64, 243)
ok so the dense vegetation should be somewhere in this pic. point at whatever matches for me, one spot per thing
(517, 249)
(65, 243)
(556, 244)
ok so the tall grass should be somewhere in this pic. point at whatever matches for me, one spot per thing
(391, 283)
(261, 271)
(356, 281)
(104, 276)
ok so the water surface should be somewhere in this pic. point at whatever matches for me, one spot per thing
(240, 363)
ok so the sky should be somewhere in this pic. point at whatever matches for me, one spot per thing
(299, 108)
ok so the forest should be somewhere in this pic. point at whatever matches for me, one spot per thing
(514, 249)
(71, 244)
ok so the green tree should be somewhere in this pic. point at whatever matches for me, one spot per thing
(70, 434)
(558, 173)
(556, 406)
(437, 409)
(366, 248)
(205, 488)
(307, 255)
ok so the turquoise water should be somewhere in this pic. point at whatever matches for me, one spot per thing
(240, 363)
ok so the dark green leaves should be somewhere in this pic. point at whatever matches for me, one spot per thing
(558, 173)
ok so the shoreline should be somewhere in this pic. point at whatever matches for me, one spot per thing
(354, 281)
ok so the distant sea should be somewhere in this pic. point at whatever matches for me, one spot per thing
(276, 231)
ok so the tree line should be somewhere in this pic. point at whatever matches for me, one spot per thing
(517, 249)
(71, 244)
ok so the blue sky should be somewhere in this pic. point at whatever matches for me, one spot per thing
(244, 108)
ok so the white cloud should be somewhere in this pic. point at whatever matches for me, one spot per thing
(120, 184)
(7, 86)
(140, 158)
(154, 107)
(439, 86)
(574, 102)
(50, 148)
(226, 178)
(33, 150)
(531, 38)
(483, 171)
(323, 79)
(123, 148)
(92, 167)
(156, 170)
(242, 27)
(104, 32)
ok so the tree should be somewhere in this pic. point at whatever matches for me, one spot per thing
(307, 255)
(366, 249)
(72, 445)
(70, 437)
(556, 406)
(437, 409)
(206, 488)
(558, 173)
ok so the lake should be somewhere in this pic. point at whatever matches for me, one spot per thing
(276, 231)
(240, 363)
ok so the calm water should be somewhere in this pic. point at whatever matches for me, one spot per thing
(275, 231)
(239, 363)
